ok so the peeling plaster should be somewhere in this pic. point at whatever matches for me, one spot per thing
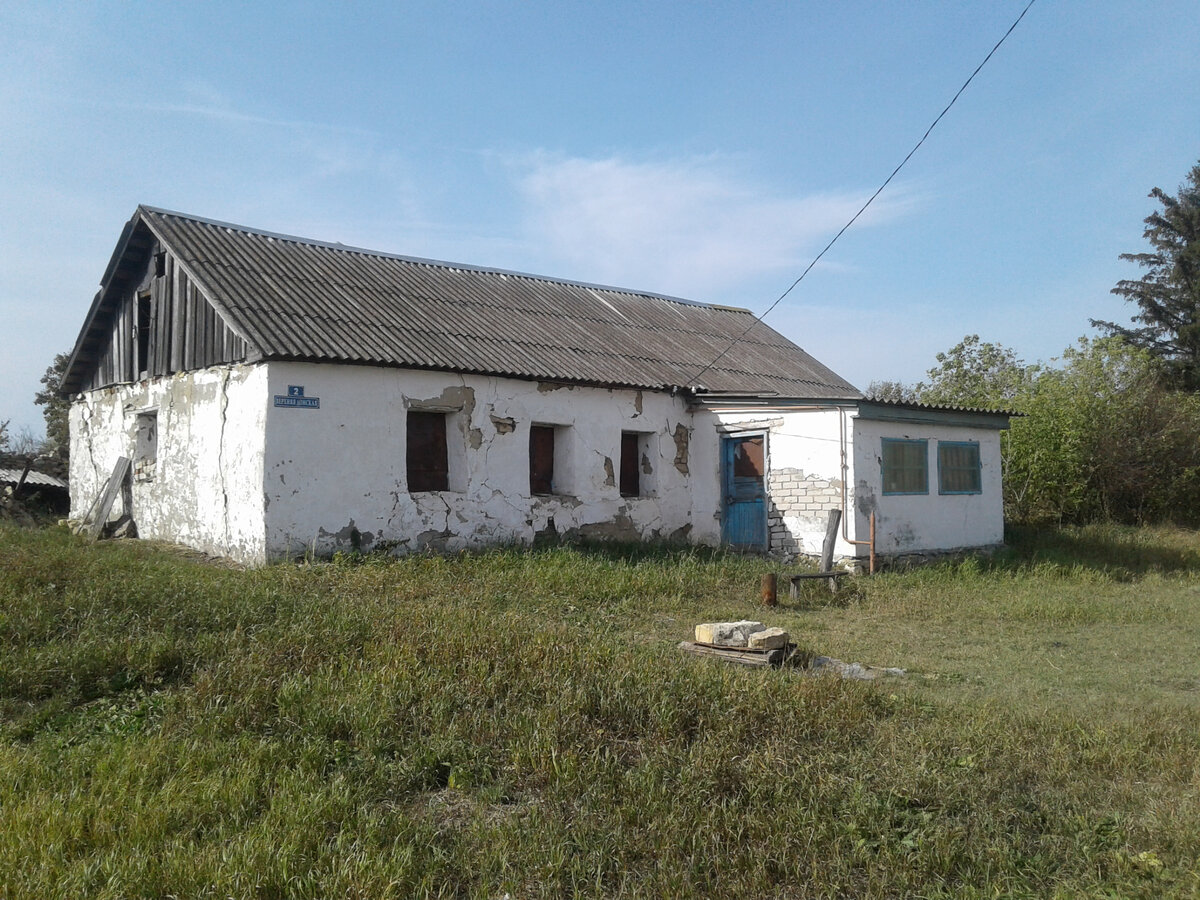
(209, 474)
(682, 438)
(503, 424)
(619, 528)
(609, 478)
(864, 498)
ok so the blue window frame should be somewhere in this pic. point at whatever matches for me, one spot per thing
(958, 468)
(905, 465)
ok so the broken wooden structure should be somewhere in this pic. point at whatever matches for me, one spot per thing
(96, 517)
(777, 657)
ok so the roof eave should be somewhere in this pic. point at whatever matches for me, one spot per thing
(71, 381)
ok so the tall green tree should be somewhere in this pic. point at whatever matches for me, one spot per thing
(56, 407)
(976, 373)
(1168, 295)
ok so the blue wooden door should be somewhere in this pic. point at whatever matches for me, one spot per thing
(744, 519)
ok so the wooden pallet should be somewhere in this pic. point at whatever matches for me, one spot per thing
(742, 656)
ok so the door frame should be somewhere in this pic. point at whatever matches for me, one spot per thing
(735, 434)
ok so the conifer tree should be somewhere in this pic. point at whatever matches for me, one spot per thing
(1168, 295)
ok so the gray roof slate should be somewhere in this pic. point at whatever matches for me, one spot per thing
(299, 299)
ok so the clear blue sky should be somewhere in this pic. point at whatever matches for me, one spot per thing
(704, 150)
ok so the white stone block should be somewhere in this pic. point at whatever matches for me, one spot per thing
(769, 639)
(728, 634)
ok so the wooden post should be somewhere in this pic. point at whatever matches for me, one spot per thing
(769, 585)
(24, 475)
(831, 529)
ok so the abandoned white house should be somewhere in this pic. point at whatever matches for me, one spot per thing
(279, 396)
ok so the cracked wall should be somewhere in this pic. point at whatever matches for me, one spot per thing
(203, 486)
(342, 466)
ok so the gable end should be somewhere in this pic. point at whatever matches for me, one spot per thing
(150, 318)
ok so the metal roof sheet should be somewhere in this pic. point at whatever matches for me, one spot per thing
(293, 298)
(12, 476)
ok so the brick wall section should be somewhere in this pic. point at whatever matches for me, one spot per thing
(792, 494)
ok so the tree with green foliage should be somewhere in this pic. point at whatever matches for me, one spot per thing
(1101, 434)
(892, 392)
(1168, 295)
(976, 373)
(1103, 438)
(57, 407)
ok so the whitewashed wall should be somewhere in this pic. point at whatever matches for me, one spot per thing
(908, 523)
(804, 473)
(237, 475)
(338, 474)
(203, 487)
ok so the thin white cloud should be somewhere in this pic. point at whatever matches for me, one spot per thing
(683, 226)
(233, 116)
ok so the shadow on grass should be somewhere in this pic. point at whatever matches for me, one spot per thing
(1117, 550)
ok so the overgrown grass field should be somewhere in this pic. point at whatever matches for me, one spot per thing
(521, 723)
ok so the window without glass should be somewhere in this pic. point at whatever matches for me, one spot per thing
(748, 459)
(905, 466)
(143, 333)
(428, 467)
(631, 470)
(145, 445)
(146, 440)
(958, 468)
(541, 459)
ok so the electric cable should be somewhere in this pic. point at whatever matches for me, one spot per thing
(870, 200)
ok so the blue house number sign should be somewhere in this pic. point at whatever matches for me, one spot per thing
(295, 399)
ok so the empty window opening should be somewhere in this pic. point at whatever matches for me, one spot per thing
(631, 470)
(160, 264)
(905, 466)
(541, 459)
(958, 468)
(143, 334)
(428, 464)
(145, 445)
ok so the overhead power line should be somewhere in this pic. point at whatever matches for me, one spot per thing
(870, 200)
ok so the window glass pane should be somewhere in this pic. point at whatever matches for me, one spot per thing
(958, 468)
(630, 471)
(905, 467)
(426, 454)
(541, 459)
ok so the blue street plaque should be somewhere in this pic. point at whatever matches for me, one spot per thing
(295, 399)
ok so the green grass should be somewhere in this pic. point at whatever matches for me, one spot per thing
(521, 722)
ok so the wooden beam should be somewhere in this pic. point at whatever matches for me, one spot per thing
(119, 474)
(737, 655)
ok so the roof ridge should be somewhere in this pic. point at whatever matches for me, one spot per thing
(437, 263)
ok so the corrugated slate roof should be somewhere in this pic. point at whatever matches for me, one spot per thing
(292, 298)
(13, 476)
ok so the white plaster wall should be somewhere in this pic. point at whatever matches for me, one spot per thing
(341, 468)
(914, 523)
(204, 487)
(804, 472)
